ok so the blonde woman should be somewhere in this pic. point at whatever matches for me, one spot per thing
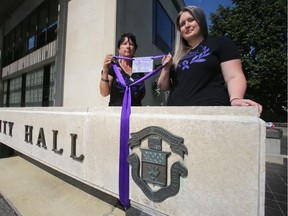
(204, 71)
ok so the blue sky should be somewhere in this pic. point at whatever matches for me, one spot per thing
(208, 5)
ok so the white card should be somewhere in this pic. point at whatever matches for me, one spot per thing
(142, 64)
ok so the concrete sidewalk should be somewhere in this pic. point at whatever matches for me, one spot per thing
(30, 191)
(6, 209)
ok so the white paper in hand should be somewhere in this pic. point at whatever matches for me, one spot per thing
(142, 64)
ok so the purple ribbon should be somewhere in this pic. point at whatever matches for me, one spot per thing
(124, 130)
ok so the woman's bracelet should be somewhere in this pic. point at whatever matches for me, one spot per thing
(234, 99)
(104, 80)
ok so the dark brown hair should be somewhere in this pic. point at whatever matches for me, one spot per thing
(130, 36)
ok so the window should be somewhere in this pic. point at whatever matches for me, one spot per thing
(42, 23)
(8, 48)
(24, 39)
(52, 85)
(163, 28)
(17, 42)
(42, 38)
(34, 89)
(53, 11)
(52, 32)
(52, 21)
(5, 96)
(15, 92)
(31, 43)
(33, 32)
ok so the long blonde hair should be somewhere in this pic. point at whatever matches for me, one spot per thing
(181, 45)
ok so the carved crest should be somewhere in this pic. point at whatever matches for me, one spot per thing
(154, 162)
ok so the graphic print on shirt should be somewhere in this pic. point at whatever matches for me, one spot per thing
(196, 57)
(128, 81)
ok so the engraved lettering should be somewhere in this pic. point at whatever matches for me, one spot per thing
(28, 134)
(7, 127)
(4, 125)
(41, 139)
(60, 151)
(10, 124)
(73, 149)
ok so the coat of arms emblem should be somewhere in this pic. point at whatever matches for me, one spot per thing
(154, 162)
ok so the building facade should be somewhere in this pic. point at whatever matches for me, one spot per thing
(52, 54)
(52, 51)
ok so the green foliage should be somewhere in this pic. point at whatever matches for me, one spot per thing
(259, 28)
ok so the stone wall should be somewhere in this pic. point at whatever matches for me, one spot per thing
(224, 153)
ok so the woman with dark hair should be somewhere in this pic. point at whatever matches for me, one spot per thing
(110, 85)
(204, 71)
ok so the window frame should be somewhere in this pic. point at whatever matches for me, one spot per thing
(158, 40)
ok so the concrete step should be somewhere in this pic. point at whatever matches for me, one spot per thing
(32, 191)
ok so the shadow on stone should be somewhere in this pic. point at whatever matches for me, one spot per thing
(5, 151)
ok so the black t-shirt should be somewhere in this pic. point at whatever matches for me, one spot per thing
(117, 90)
(198, 80)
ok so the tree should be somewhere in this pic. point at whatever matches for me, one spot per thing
(259, 28)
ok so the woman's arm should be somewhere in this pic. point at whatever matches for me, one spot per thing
(234, 78)
(105, 84)
(106, 79)
(164, 81)
(236, 84)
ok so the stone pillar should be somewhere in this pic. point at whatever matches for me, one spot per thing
(60, 54)
(273, 145)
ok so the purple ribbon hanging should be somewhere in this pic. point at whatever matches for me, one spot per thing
(124, 130)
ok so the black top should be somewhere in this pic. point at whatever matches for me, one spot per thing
(117, 90)
(198, 80)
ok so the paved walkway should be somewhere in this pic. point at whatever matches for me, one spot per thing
(33, 191)
(276, 190)
(6, 209)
